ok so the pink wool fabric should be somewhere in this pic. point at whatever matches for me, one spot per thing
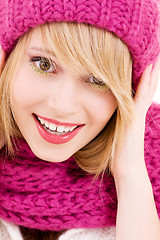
(56, 196)
(136, 22)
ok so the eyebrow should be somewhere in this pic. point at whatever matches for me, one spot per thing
(41, 50)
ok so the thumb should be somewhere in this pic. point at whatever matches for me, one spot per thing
(2, 58)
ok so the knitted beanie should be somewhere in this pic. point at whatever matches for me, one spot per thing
(136, 22)
(57, 196)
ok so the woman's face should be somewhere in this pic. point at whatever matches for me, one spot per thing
(57, 111)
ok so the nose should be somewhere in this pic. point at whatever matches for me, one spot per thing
(64, 97)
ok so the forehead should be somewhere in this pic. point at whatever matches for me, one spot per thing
(38, 47)
(48, 47)
(36, 38)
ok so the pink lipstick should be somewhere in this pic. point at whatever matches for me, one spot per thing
(54, 136)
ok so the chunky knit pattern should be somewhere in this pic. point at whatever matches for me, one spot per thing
(136, 22)
(56, 196)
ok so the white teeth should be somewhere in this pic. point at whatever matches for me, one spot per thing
(46, 124)
(53, 126)
(71, 128)
(60, 129)
(66, 129)
(41, 120)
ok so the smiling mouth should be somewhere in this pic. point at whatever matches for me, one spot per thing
(54, 128)
(56, 132)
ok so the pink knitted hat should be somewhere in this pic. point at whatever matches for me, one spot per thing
(136, 22)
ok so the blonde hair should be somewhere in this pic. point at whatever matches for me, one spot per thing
(83, 48)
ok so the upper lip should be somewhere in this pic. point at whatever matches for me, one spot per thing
(58, 122)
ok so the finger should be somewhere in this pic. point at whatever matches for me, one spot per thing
(2, 58)
(148, 84)
(143, 86)
(155, 76)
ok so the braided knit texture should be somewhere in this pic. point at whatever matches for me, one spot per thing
(136, 22)
(56, 196)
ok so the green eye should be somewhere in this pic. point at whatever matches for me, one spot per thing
(97, 83)
(43, 65)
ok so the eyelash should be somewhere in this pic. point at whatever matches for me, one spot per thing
(96, 83)
(34, 60)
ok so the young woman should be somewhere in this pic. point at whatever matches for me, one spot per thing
(77, 80)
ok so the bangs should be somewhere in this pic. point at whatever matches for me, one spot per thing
(83, 49)
(73, 44)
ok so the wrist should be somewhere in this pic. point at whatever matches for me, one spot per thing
(133, 182)
(130, 169)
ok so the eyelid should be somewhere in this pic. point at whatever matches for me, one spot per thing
(34, 59)
(99, 81)
(39, 58)
(100, 85)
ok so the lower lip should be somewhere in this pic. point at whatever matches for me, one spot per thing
(56, 139)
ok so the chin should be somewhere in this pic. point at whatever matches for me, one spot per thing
(50, 157)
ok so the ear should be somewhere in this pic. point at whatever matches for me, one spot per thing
(2, 58)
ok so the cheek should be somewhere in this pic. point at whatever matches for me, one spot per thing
(102, 107)
(24, 91)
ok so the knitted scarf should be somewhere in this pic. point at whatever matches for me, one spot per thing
(56, 196)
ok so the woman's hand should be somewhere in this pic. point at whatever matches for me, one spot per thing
(137, 216)
(130, 158)
(2, 60)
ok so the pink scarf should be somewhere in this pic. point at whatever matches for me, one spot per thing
(56, 196)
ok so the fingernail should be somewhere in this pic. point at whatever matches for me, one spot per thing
(150, 67)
